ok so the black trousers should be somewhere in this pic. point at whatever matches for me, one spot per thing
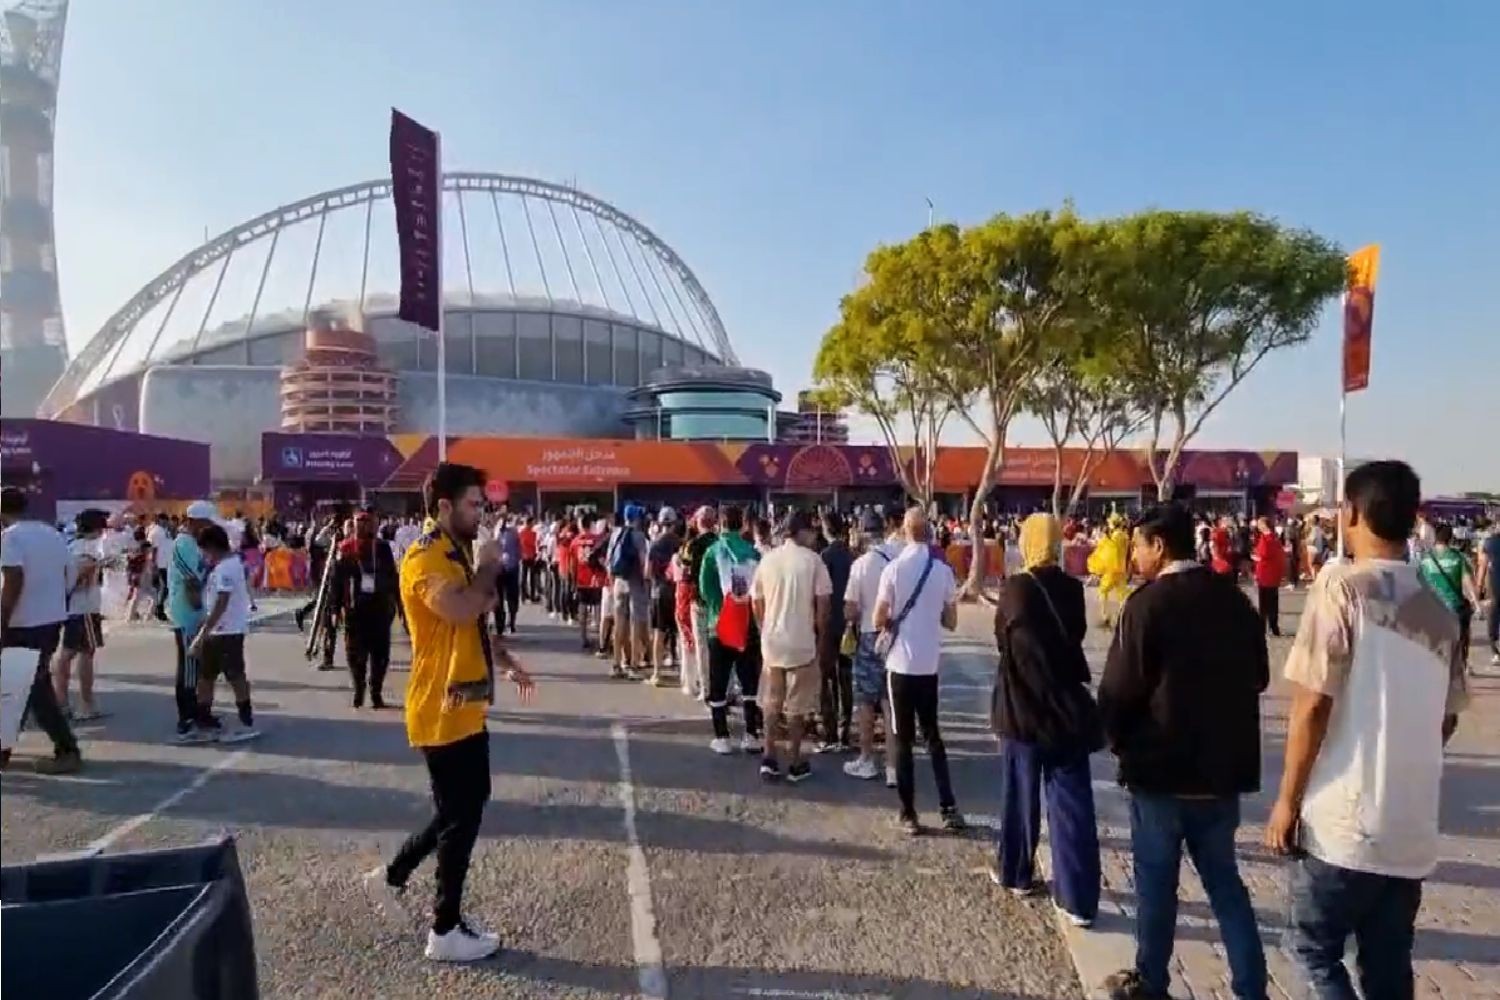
(724, 662)
(837, 698)
(914, 702)
(185, 682)
(509, 585)
(159, 598)
(41, 700)
(460, 776)
(367, 647)
(1270, 608)
(531, 580)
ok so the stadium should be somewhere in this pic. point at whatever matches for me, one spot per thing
(565, 317)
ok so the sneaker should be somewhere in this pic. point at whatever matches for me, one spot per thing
(1022, 891)
(1128, 985)
(799, 771)
(751, 744)
(828, 746)
(388, 899)
(63, 763)
(238, 732)
(769, 769)
(720, 745)
(890, 777)
(1495, 657)
(953, 821)
(862, 768)
(461, 944)
(910, 825)
(1081, 922)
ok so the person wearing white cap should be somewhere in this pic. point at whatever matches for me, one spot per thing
(185, 578)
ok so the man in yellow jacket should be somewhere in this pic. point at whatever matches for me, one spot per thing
(448, 692)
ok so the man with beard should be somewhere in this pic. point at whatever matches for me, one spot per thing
(367, 587)
(448, 693)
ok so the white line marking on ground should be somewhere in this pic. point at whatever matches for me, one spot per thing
(136, 822)
(651, 974)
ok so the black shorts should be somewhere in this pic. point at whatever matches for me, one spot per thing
(223, 656)
(83, 633)
(664, 610)
(588, 597)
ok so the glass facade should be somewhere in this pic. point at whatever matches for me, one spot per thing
(714, 415)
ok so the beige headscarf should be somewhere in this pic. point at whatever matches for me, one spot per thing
(1041, 534)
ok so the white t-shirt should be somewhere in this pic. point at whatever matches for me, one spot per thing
(228, 577)
(41, 553)
(86, 599)
(1385, 649)
(235, 529)
(864, 581)
(789, 580)
(161, 541)
(919, 640)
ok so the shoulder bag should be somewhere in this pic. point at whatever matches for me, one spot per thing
(887, 637)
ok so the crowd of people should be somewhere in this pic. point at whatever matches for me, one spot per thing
(823, 634)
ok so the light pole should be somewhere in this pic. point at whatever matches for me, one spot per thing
(929, 212)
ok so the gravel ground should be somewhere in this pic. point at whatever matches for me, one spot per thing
(757, 891)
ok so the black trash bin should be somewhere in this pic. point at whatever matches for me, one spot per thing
(155, 925)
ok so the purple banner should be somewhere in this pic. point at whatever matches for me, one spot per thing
(416, 188)
(54, 461)
(309, 458)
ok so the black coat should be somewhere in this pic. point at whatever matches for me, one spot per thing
(1181, 689)
(1041, 692)
(349, 576)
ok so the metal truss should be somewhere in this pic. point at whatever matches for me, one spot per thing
(112, 335)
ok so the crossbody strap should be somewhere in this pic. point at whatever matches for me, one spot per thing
(1458, 587)
(1052, 607)
(911, 601)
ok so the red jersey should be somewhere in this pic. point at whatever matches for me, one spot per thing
(1270, 561)
(585, 575)
(527, 535)
(563, 554)
(1219, 546)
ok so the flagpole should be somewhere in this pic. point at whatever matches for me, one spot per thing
(442, 322)
(1339, 486)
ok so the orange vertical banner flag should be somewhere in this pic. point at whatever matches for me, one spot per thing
(1359, 316)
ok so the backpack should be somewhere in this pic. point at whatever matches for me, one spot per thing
(624, 561)
(594, 557)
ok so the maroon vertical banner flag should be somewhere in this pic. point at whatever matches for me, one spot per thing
(417, 190)
(1359, 316)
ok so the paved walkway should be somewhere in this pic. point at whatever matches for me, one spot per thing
(1458, 928)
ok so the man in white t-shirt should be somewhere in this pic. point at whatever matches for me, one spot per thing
(790, 594)
(1378, 681)
(917, 601)
(36, 573)
(83, 631)
(882, 540)
(160, 537)
(219, 644)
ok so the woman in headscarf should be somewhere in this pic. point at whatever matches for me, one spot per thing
(1110, 562)
(1048, 724)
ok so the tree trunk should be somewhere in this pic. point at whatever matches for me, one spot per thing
(993, 460)
(1057, 483)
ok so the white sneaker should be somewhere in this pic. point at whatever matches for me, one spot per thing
(1072, 918)
(750, 744)
(721, 746)
(1495, 657)
(890, 777)
(388, 899)
(461, 944)
(862, 768)
(238, 732)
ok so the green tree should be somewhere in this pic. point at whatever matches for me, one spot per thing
(1019, 290)
(1201, 298)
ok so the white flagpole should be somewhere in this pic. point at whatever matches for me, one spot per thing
(1339, 486)
(442, 345)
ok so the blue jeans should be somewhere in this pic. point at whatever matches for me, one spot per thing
(1328, 904)
(1159, 827)
(1029, 774)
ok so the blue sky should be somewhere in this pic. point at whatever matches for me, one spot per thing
(774, 144)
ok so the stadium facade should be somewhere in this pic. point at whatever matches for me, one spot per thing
(565, 317)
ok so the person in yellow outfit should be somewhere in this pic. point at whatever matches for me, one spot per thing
(1110, 562)
(448, 693)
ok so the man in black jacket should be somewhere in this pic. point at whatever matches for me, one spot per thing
(1180, 699)
(368, 588)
